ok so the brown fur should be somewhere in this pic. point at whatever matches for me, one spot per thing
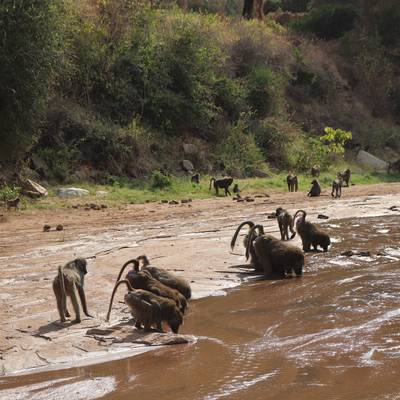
(292, 182)
(315, 190)
(311, 234)
(315, 170)
(13, 203)
(222, 183)
(285, 223)
(277, 257)
(346, 176)
(69, 280)
(195, 178)
(167, 278)
(337, 186)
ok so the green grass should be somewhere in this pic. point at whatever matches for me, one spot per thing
(136, 191)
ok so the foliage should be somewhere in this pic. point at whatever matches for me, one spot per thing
(335, 140)
(9, 193)
(159, 180)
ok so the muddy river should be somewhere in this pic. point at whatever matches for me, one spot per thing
(332, 334)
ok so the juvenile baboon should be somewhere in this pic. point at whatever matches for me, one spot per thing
(145, 310)
(144, 280)
(315, 170)
(346, 176)
(277, 257)
(236, 189)
(222, 183)
(292, 183)
(311, 234)
(13, 203)
(337, 186)
(167, 278)
(195, 178)
(253, 257)
(69, 280)
(285, 222)
(315, 189)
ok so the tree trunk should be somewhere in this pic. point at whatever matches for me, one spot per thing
(259, 9)
(251, 7)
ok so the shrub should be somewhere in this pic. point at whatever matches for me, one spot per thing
(9, 193)
(159, 180)
(328, 21)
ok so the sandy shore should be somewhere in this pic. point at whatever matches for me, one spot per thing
(191, 240)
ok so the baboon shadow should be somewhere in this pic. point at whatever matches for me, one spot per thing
(54, 326)
(259, 276)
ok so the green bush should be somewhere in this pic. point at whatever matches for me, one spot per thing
(159, 180)
(9, 193)
(328, 21)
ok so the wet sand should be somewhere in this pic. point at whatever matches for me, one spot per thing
(191, 241)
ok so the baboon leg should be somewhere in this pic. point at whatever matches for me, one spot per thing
(227, 192)
(75, 304)
(325, 248)
(138, 325)
(267, 267)
(282, 232)
(340, 192)
(60, 308)
(81, 292)
(292, 231)
(66, 312)
(216, 191)
(315, 247)
(157, 315)
(306, 246)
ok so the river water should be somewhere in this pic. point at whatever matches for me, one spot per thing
(332, 334)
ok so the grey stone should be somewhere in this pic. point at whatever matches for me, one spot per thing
(187, 166)
(71, 192)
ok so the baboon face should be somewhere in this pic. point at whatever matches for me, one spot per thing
(82, 265)
(176, 322)
(278, 211)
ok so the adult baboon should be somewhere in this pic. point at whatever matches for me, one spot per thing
(150, 309)
(167, 278)
(337, 186)
(285, 222)
(195, 178)
(14, 203)
(144, 280)
(70, 278)
(292, 183)
(315, 170)
(346, 176)
(253, 257)
(311, 234)
(315, 189)
(277, 257)
(146, 313)
(222, 183)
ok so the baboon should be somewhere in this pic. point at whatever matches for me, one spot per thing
(253, 257)
(167, 278)
(236, 189)
(145, 310)
(195, 178)
(70, 278)
(277, 257)
(346, 176)
(292, 183)
(13, 203)
(222, 183)
(311, 234)
(285, 222)
(337, 186)
(315, 189)
(144, 280)
(315, 170)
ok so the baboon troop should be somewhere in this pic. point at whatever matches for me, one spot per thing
(292, 183)
(311, 234)
(285, 223)
(69, 281)
(337, 186)
(315, 170)
(222, 183)
(315, 190)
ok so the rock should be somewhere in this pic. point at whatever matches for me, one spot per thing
(371, 161)
(46, 228)
(322, 216)
(347, 253)
(351, 253)
(162, 339)
(66, 193)
(271, 216)
(187, 166)
(164, 201)
(173, 202)
(103, 206)
(394, 208)
(260, 174)
(189, 148)
(249, 199)
(183, 201)
(33, 189)
(59, 227)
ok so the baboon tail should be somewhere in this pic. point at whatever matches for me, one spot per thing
(250, 238)
(128, 285)
(62, 283)
(135, 263)
(212, 179)
(234, 237)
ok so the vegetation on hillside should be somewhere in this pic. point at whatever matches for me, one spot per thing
(95, 90)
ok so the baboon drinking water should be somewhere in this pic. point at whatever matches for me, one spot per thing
(315, 190)
(69, 280)
(285, 223)
(311, 234)
(276, 257)
(292, 183)
(222, 183)
(337, 186)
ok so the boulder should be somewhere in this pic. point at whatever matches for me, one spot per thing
(71, 192)
(187, 166)
(260, 174)
(189, 148)
(33, 189)
(371, 161)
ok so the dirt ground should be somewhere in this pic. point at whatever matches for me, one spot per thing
(191, 240)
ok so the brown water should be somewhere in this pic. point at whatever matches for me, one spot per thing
(332, 334)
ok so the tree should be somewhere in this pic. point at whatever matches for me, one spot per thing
(253, 6)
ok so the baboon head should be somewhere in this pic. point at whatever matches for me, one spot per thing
(81, 265)
(145, 261)
(175, 322)
(278, 211)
